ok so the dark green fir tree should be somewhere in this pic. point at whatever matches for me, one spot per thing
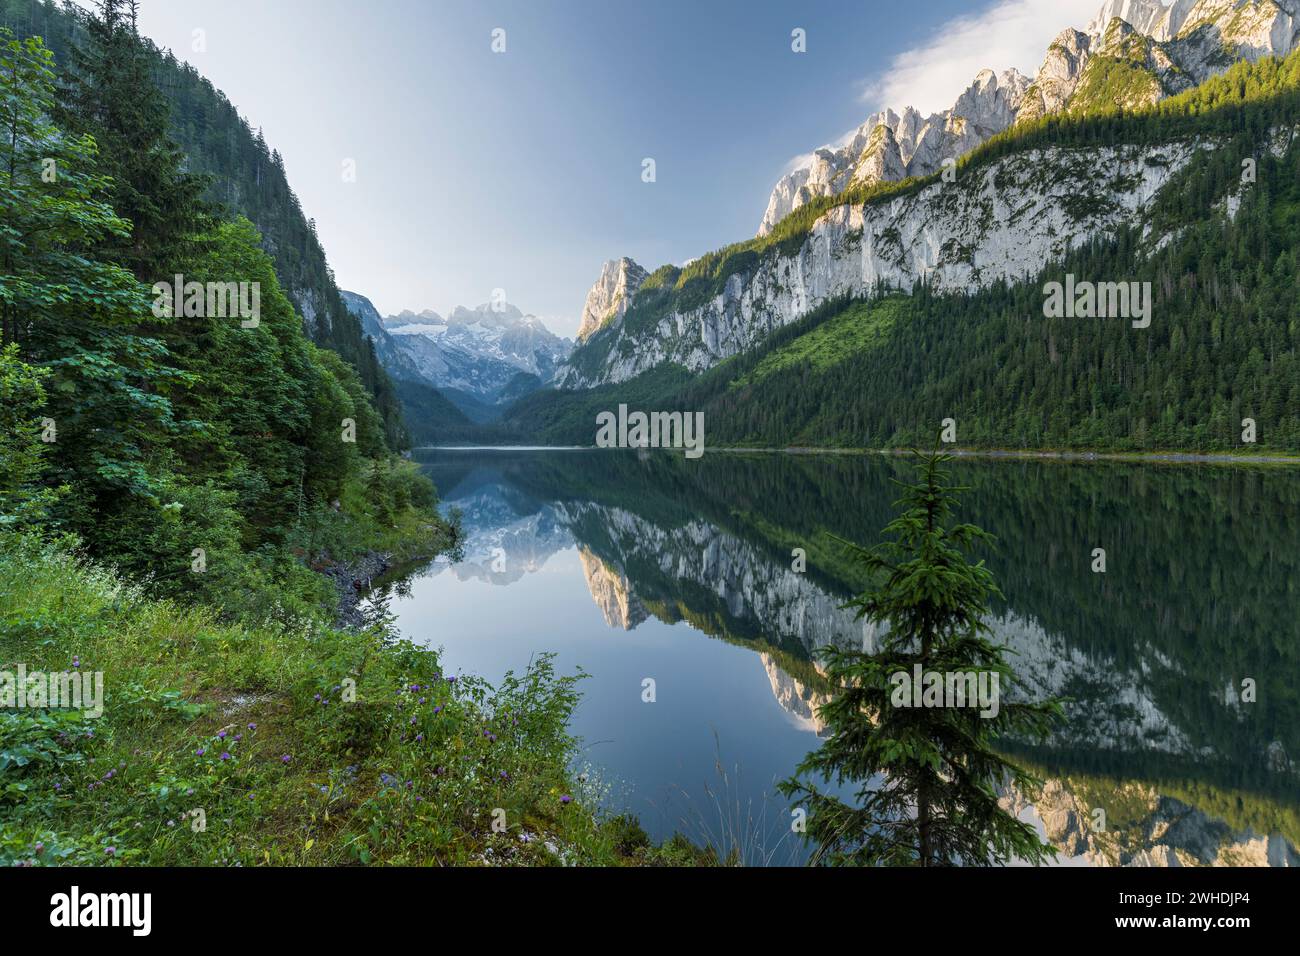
(923, 770)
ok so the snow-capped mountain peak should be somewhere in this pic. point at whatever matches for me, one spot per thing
(479, 357)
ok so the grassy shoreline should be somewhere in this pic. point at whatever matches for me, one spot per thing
(235, 744)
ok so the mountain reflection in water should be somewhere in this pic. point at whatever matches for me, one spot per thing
(647, 566)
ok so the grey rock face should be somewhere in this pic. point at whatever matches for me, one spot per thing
(611, 296)
(1179, 46)
(964, 235)
(1001, 222)
(891, 146)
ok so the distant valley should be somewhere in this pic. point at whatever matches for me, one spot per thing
(480, 360)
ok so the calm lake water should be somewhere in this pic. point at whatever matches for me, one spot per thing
(1181, 661)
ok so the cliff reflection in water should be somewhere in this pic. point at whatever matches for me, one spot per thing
(1200, 594)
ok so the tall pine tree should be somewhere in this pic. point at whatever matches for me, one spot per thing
(66, 308)
(111, 96)
(924, 777)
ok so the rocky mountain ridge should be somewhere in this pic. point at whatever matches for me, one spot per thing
(1005, 221)
(610, 297)
(1133, 53)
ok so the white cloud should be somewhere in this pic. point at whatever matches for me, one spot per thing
(1008, 33)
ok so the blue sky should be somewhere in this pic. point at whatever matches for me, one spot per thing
(521, 170)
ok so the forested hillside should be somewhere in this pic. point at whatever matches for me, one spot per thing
(1219, 247)
(216, 456)
(245, 177)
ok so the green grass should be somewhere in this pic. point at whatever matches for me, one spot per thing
(392, 776)
(1112, 83)
(858, 328)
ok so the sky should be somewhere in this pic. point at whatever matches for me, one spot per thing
(522, 170)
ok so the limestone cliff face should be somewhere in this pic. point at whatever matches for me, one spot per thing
(1003, 221)
(611, 296)
(1058, 77)
(891, 146)
(1164, 49)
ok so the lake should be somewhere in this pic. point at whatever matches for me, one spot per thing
(676, 586)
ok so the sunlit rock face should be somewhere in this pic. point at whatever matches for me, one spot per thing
(1170, 47)
(612, 593)
(1005, 222)
(892, 146)
(611, 296)
(997, 223)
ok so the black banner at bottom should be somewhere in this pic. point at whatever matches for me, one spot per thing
(332, 907)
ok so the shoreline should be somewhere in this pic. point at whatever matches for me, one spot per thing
(1132, 457)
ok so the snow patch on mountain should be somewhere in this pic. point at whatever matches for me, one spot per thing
(487, 355)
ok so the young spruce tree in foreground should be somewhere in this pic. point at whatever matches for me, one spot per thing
(924, 778)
